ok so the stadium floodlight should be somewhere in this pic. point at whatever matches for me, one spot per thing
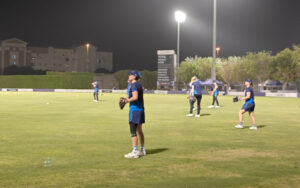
(180, 17)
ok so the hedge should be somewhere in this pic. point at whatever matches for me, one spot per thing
(49, 81)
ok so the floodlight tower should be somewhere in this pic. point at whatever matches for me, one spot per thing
(180, 17)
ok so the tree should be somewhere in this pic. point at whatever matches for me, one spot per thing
(284, 67)
(227, 69)
(258, 65)
(149, 79)
(197, 66)
(122, 77)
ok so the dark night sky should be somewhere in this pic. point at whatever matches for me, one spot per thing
(135, 29)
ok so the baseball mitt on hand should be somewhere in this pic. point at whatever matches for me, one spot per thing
(236, 99)
(192, 98)
(122, 102)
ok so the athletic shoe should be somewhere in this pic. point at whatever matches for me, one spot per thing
(142, 152)
(239, 126)
(217, 106)
(253, 128)
(189, 115)
(132, 155)
(211, 106)
(197, 116)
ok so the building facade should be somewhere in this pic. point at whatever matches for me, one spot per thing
(85, 58)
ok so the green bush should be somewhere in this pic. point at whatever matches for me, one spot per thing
(49, 81)
(148, 80)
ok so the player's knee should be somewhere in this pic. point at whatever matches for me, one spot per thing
(133, 129)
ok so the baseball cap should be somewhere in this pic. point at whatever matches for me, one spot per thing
(249, 80)
(136, 73)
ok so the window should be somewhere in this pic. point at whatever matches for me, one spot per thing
(14, 63)
(14, 56)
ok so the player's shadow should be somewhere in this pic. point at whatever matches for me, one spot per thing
(261, 126)
(258, 126)
(205, 114)
(155, 151)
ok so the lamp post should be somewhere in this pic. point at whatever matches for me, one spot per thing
(213, 69)
(87, 56)
(180, 17)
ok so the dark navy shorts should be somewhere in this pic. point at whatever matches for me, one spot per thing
(136, 117)
(249, 107)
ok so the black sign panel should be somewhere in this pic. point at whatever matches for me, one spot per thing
(165, 73)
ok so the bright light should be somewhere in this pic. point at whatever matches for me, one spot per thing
(180, 16)
(87, 45)
(218, 49)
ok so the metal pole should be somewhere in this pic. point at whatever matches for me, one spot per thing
(178, 52)
(213, 70)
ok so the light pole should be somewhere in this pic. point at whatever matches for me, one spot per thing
(213, 69)
(180, 17)
(87, 56)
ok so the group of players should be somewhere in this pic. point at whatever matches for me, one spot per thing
(137, 111)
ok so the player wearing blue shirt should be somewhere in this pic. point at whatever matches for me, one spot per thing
(215, 94)
(136, 114)
(96, 90)
(249, 106)
(196, 92)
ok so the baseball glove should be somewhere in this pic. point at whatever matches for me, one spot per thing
(192, 98)
(122, 102)
(236, 99)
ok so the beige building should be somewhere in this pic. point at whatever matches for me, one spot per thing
(79, 59)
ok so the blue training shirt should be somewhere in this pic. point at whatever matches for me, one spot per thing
(251, 100)
(96, 89)
(216, 93)
(137, 105)
(197, 87)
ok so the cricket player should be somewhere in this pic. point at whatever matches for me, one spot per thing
(248, 106)
(196, 91)
(136, 114)
(96, 90)
(215, 94)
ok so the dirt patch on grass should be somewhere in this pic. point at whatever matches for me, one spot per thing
(232, 154)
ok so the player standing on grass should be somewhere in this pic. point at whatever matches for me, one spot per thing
(136, 114)
(96, 90)
(196, 91)
(248, 106)
(215, 93)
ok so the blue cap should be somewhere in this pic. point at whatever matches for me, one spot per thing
(136, 73)
(249, 80)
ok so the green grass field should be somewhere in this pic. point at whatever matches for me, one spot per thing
(85, 142)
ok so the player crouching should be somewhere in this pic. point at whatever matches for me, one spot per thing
(136, 114)
(248, 106)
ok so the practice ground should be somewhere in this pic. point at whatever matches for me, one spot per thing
(67, 140)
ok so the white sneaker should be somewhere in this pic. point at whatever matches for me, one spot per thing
(197, 116)
(132, 155)
(239, 126)
(189, 115)
(211, 106)
(142, 152)
(253, 128)
(217, 107)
